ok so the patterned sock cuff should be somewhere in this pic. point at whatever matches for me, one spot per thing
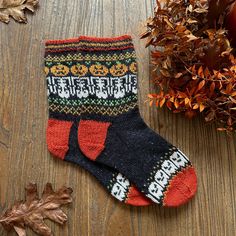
(94, 76)
(86, 43)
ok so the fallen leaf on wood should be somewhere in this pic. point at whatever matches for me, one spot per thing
(15, 9)
(34, 210)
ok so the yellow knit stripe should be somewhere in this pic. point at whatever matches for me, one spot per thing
(110, 111)
(89, 57)
(89, 44)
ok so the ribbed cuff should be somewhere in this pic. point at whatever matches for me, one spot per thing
(86, 43)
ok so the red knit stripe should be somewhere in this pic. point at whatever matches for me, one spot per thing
(87, 38)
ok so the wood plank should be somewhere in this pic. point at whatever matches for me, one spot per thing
(23, 117)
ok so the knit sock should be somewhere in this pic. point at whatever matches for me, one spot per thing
(111, 130)
(62, 124)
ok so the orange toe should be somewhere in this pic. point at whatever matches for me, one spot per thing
(181, 188)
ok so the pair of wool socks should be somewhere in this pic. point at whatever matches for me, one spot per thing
(94, 122)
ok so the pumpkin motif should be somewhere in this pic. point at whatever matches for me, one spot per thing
(46, 70)
(79, 70)
(98, 70)
(118, 69)
(133, 67)
(60, 70)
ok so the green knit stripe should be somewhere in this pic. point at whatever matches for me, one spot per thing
(89, 101)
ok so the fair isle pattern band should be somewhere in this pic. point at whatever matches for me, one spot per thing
(119, 187)
(99, 87)
(94, 76)
(100, 110)
(78, 57)
(171, 163)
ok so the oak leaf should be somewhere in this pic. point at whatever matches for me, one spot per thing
(32, 212)
(15, 9)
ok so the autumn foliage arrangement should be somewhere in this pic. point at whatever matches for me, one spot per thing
(194, 60)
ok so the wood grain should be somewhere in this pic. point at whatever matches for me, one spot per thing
(23, 116)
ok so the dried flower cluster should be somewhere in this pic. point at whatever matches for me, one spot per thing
(194, 63)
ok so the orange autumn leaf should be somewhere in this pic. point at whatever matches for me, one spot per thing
(162, 102)
(186, 101)
(201, 107)
(212, 87)
(178, 75)
(182, 95)
(201, 84)
(200, 71)
(176, 103)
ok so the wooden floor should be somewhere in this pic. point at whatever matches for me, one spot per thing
(23, 116)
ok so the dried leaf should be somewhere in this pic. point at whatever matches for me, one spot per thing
(176, 103)
(201, 84)
(200, 10)
(33, 211)
(191, 21)
(186, 101)
(212, 87)
(182, 95)
(221, 129)
(165, 73)
(178, 75)
(210, 116)
(162, 102)
(191, 37)
(201, 107)
(229, 121)
(15, 9)
(168, 22)
(145, 35)
(200, 71)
